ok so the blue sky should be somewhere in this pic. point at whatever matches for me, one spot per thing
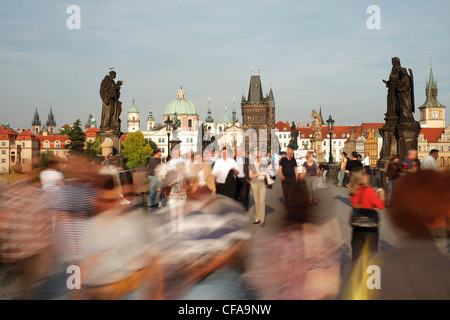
(311, 51)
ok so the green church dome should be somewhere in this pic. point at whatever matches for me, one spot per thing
(133, 109)
(181, 105)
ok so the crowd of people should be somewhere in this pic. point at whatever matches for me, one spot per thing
(232, 173)
(77, 213)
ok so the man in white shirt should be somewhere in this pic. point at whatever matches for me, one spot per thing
(366, 161)
(429, 162)
(224, 172)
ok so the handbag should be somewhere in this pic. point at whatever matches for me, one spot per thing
(362, 217)
(267, 183)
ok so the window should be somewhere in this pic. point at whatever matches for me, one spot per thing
(3, 160)
(57, 144)
(3, 169)
(190, 123)
(23, 144)
(46, 144)
(3, 144)
(3, 151)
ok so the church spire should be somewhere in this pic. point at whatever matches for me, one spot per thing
(36, 121)
(431, 91)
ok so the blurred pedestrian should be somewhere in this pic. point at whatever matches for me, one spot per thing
(257, 174)
(152, 165)
(300, 260)
(242, 178)
(364, 197)
(51, 180)
(118, 260)
(224, 171)
(410, 163)
(393, 173)
(415, 269)
(178, 185)
(309, 175)
(323, 172)
(341, 174)
(351, 165)
(200, 178)
(25, 234)
(206, 261)
(288, 173)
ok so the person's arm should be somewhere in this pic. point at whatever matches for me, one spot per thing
(235, 167)
(280, 171)
(376, 199)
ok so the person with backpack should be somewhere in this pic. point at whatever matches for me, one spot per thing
(362, 196)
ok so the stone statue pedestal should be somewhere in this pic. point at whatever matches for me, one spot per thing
(389, 134)
(317, 147)
(114, 136)
(175, 143)
(408, 133)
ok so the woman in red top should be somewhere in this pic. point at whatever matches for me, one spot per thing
(363, 196)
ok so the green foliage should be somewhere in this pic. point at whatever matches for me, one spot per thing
(44, 159)
(136, 151)
(92, 148)
(153, 146)
(77, 137)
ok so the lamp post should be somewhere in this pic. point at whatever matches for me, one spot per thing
(168, 124)
(330, 123)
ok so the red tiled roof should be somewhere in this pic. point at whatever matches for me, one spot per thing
(367, 126)
(91, 132)
(281, 126)
(53, 138)
(7, 133)
(432, 134)
(339, 132)
(26, 135)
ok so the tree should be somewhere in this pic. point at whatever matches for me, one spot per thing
(136, 151)
(92, 148)
(153, 146)
(76, 136)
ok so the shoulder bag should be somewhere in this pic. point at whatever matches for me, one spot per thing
(362, 217)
